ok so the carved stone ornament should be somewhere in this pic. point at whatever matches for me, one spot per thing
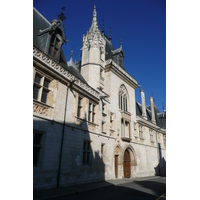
(40, 109)
(78, 122)
(61, 71)
(91, 127)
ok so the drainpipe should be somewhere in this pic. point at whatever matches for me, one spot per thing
(62, 138)
(158, 153)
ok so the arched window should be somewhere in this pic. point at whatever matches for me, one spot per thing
(123, 102)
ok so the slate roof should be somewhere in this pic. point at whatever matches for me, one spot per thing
(109, 49)
(41, 23)
(111, 52)
(159, 116)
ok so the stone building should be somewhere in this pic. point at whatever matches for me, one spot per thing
(87, 125)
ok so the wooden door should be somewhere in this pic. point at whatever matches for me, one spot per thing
(127, 164)
(116, 166)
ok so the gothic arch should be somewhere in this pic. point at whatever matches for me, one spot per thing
(123, 98)
(132, 154)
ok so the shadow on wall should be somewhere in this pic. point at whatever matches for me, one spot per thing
(160, 169)
(69, 144)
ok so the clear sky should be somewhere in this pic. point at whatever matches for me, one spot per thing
(141, 25)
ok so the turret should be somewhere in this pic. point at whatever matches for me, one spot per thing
(93, 53)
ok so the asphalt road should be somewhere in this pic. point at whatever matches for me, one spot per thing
(154, 189)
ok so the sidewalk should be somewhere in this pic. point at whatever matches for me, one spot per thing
(44, 194)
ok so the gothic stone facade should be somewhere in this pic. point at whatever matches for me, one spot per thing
(87, 125)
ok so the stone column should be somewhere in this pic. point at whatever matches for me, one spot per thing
(144, 114)
(153, 120)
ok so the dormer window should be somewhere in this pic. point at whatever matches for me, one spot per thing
(55, 46)
(120, 60)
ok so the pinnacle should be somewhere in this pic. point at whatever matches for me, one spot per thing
(94, 26)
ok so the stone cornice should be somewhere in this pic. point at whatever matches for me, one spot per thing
(55, 67)
(121, 72)
(149, 125)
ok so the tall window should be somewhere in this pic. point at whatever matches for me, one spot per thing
(103, 127)
(41, 88)
(79, 107)
(140, 131)
(55, 45)
(91, 112)
(102, 150)
(86, 153)
(111, 120)
(123, 103)
(151, 135)
(37, 146)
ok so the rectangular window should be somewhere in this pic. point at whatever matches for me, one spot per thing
(102, 150)
(35, 92)
(41, 88)
(140, 132)
(44, 96)
(37, 146)
(111, 120)
(46, 83)
(151, 135)
(91, 113)
(127, 129)
(86, 153)
(37, 79)
(79, 107)
(121, 103)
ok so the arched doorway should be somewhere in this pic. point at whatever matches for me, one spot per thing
(127, 164)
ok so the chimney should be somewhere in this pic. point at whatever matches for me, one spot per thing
(153, 120)
(144, 114)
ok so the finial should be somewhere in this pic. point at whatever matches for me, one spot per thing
(71, 53)
(163, 106)
(120, 42)
(94, 26)
(110, 34)
(62, 15)
(94, 14)
(103, 28)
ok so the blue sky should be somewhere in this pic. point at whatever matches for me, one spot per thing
(141, 25)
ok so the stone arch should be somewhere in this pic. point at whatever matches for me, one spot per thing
(132, 154)
(118, 151)
(123, 98)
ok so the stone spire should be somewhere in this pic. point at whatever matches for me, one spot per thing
(71, 54)
(94, 26)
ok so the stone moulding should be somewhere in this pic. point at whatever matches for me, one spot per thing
(90, 125)
(63, 72)
(126, 139)
(40, 109)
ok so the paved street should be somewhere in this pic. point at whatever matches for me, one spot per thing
(152, 188)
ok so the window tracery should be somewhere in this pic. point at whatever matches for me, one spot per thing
(123, 102)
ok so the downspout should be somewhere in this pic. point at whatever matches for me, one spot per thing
(158, 153)
(62, 138)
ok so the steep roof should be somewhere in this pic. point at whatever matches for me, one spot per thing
(159, 116)
(40, 42)
(39, 23)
